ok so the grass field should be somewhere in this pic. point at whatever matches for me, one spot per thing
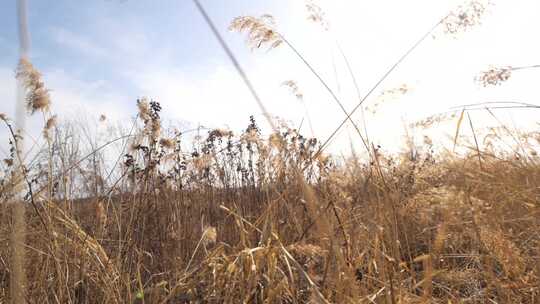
(248, 219)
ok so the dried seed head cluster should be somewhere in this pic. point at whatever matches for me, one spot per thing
(144, 109)
(220, 133)
(387, 95)
(402, 89)
(276, 140)
(49, 124)
(167, 143)
(149, 114)
(202, 162)
(37, 96)
(293, 87)
(428, 141)
(251, 136)
(155, 129)
(209, 235)
(494, 76)
(465, 17)
(259, 31)
(316, 14)
(429, 121)
(101, 216)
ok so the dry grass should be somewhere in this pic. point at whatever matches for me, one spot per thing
(229, 223)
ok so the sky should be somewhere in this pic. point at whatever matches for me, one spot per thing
(97, 57)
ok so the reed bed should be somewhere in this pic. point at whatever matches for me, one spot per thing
(229, 222)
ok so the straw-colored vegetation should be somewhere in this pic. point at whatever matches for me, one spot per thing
(232, 221)
(254, 218)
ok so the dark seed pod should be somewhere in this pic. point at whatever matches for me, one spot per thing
(359, 275)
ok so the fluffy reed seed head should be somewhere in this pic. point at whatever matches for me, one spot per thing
(465, 17)
(251, 136)
(150, 118)
(316, 14)
(276, 140)
(388, 95)
(494, 76)
(220, 133)
(144, 109)
(209, 235)
(167, 143)
(432, 120)
(37, 96)
(259, 31)
(293, 88)
(49, 124)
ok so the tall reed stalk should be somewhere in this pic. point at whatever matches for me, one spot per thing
(18, 234)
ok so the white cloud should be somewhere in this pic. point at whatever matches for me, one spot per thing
(219, 98)
(375, 33)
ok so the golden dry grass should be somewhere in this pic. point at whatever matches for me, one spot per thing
(230, 223)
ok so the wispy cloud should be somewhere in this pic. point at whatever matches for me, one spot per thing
(77, 42)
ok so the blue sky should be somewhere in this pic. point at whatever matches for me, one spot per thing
(116, 32)
(106, 42)
(99, 56)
